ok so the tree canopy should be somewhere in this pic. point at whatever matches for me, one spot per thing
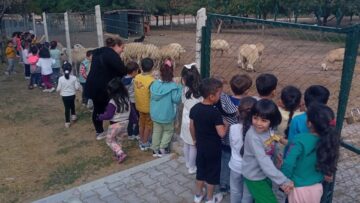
(323, 10)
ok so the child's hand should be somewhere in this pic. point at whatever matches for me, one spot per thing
(287, 187)
(283, 141)
(328, 179)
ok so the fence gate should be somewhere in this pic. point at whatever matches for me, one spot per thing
(296, 54)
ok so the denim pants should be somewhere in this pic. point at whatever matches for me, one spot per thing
(27, 70)
(35, 79)
(238, 190)
(55, 75)
(225, 170)
(11, 65)
(133, 126)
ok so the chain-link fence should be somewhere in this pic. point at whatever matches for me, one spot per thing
(298, 55)
(16, 23)
(56, 27)
(82, 28)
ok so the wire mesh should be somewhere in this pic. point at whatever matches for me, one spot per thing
(15, 23)
(56, 27)
(82, 28)
(298, 57)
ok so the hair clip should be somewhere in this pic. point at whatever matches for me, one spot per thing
(188, 66)
(67, 72)
(332, 122)
(168, 62)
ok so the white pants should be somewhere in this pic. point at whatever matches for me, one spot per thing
(190, 155)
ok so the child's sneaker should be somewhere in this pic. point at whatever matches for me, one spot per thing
(163, 152)
(73, 117)
(192, 170)
(144, 146)
(100, 136)
(157, 153)
(6, 73)
(52, 89)
(131, 137)
(121, 157)
(198, 198)
(30, 87)
(67, 125)
(35, 85)
(46, 90)
(216, 198)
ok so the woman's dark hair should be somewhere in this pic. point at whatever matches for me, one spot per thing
(53, 44)
(166, 73)
(34, 50)
(192, 80)
(244, 108)
(67, 69)
(267, 109)
(111, 42)
(44, 53)
(118, 92)
(291, 98)
(322, 120)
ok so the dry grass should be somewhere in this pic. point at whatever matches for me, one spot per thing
(39, 156)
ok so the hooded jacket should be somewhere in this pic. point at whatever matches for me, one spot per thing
(105, 65)
(163, 100)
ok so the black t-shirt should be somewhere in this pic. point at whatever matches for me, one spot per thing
(206, 118)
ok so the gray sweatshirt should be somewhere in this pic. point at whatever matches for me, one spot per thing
(257, 163)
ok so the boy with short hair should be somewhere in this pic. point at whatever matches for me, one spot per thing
(84, 71)
(266, 86)
(55, 55)
(10, 56)
(207, 128)
(142, 101)
(314, 93)
(132, 69)
(240, 86)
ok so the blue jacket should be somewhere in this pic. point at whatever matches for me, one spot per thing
(163, 100)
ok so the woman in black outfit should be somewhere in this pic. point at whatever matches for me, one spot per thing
(106, 64)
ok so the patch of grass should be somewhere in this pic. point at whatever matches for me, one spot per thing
(67, 149)
(69, 173)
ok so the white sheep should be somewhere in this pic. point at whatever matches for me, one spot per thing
(171, 51)
(220, 45)
(78, 54)
(132, 52)
(249, 55)
(333, 56)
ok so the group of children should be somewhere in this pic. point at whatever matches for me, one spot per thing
(252, 146)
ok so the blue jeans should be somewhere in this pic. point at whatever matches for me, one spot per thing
(55, 75)
(27, 70)
(236, 187)
(35, 78)
(225, 170)
(11, 65)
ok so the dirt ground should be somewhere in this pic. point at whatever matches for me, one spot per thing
(39, 156)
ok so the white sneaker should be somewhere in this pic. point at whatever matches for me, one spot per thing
(35, 85)
(100, 136)
(67, 125)
(52, 89)
(6, 73)
(216, 198)
(198, 199)
(73, 117)
(46, 90)
(192, 170)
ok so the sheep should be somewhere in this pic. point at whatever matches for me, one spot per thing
(78, 54)
(249, 55)
(171, 51)
(132, 52)
(333, 56)
(220, 45)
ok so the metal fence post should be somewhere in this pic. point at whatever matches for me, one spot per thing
(67, 35)
(205, 49)
(200, 22)
(33, 23)
(99, 27)
(351, 50)
(45, 27)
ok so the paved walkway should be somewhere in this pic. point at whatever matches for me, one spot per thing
(161, 180)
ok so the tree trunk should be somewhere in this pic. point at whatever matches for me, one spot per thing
(171, 22)
(157, 21)
(164, 19)
(2, 42)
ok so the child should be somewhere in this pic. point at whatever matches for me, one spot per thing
(240, 86)
(10, 56)
(67, 86)
(117, 111)
(45, 63)
(237, 194)
(313, 155)
(35, 71)
(84, 71)
(257, 167)
(191, 79)
(315, 93)
(165, 95)
(266, 86)
(142, 101)
(132, 70)
(24, 55)
(289, 106)
(55, 55)
(207, 128)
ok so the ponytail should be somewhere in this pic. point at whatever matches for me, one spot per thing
(322, 120)
(291, 98)
(66, 69)
(245, 117)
